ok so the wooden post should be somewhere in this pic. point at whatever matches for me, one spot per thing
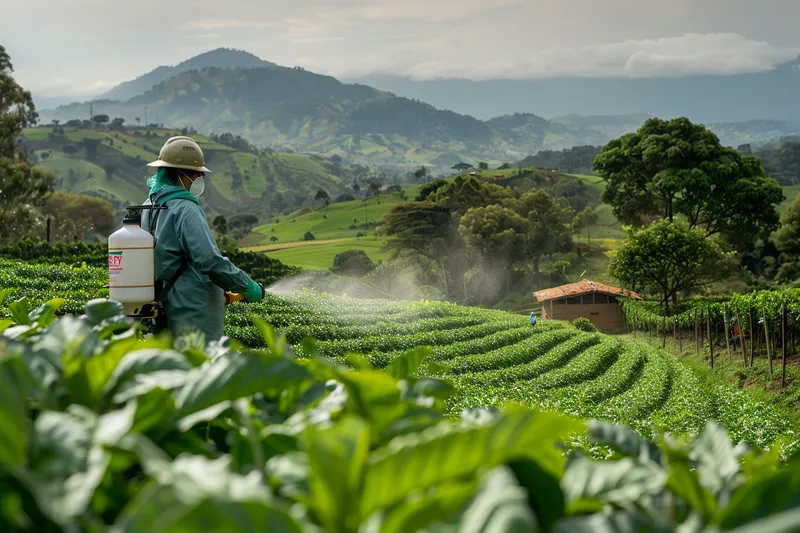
(696, 334)
(634, 325)
(710, 340)
(752, 336)
(783, 346)
(766, 341)
(741, 338)
(727, 337)
(680, 342)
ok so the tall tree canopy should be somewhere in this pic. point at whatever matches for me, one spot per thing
(667, 258)
(671, 167)
(462, 194)
(75, 215)
(22, 187)
(426, 229)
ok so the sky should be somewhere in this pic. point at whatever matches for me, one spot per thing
(84, 47)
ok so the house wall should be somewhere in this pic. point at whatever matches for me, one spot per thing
(605, 317)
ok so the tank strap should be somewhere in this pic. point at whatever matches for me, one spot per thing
(181, 269)
(152, 223)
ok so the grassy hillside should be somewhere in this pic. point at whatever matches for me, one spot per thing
(112, 164)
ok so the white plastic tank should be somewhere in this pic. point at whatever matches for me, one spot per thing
(130, 264)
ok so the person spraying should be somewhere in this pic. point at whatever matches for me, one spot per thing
(188, 262)
(533, 318)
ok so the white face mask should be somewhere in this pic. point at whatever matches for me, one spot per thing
(197, 186)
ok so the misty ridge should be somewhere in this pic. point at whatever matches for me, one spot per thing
(376, 119)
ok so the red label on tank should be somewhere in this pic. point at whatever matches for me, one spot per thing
(115, 261)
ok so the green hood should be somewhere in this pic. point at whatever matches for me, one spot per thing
(161, 190)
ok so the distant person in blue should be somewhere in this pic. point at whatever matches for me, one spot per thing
(533, 318)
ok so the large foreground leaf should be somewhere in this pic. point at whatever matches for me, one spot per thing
(446, 452)
(624, 441)
(14, 419)
(336, 457)
(587, 483)
(774, 492)
(237, 375)
(619, 522)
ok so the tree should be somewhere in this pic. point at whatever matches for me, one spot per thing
(138, 121)
(352, 263)
(75, 215)
(273, 239)
(421, 174)
(787, 240)
(497, 233)
(426, 230)
(322, 196)
(483, 166)
(429, 188)
(100, 119)
(585, 220)
(667, 258)
(463, 193)
(374, 187)
(22, 187)
(548, 225)
(220, 225)
(461, 167)
(676, 167)
(118, 123)
(308, 236)
(16, 110)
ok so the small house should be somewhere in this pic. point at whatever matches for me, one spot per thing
(590, 299)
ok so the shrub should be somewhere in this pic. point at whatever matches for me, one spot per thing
(584, 324)
(352, 263)
(308, 236)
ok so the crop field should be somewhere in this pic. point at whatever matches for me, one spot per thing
(103, 430)
(491, 357)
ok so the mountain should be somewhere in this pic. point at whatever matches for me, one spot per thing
(738, 98)
(111, 164)
(291, 108)
(225, 58)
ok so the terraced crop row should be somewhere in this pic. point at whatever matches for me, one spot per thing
(492, 357)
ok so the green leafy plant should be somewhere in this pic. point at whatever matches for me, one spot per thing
(584, 324)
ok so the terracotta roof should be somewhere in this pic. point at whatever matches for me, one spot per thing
(582, 287)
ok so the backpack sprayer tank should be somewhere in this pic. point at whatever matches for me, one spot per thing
(131, 263)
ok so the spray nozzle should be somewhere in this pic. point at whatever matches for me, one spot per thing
(134, 215)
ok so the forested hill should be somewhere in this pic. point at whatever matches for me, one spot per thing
(297, 109)
(221, 58)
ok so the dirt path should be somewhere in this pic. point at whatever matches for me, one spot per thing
(288, 245)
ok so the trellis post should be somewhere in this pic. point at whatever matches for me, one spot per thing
(766, 340)
(752, 336)
(727, 337)
(783, 346)
(710, 340)
(741, 338)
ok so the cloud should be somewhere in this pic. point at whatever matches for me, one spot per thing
(225, 24)
(438, 10)
(206, 36)
(68, 87)
(689, 54)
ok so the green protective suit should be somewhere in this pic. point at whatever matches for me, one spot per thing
(197, 300)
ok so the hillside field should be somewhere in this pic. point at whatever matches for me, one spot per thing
(491, 357)
(112, 164)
